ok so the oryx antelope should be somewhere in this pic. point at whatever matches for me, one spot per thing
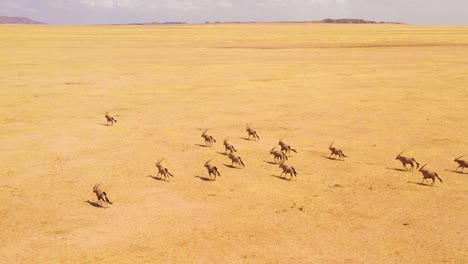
(427, 174)
(101, 196)
(278, 155)
(252, 133)
(336, 152)
(163, 171)
(228, 146)
(285, 147)
(287, 169)
(212, 170)
(405, 160)
(236, 159)
(110, 119)
(462, 163)
(209, 140)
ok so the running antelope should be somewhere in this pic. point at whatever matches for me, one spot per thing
(228, 146)
(212, 170)
(209, 140)
(278, 155)
(287, 169)
(405, 160)
(101, 196)
(285, 147)
(236, 159)
(163, 171)
(336, 152)
(462, 163)
(427, 174)
(110, 119)
(252, 132)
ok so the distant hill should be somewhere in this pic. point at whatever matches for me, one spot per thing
(326, 21)
(355, 21)
(19, 20)
(152, 23)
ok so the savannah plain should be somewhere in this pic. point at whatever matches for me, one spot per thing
(374, 90)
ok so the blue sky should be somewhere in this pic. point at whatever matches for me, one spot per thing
(424, 12)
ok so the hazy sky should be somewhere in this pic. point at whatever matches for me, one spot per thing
(442, 12)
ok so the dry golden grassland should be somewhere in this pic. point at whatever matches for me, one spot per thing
(373, 89)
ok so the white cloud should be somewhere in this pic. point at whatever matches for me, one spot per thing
(14, 7)
(187, 5)
(181, 5)
(110, 3)
(225, 4)
(275, 3)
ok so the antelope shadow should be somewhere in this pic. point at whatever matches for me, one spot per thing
(223, 153)
(156, 178)
(396, 169)
(203, 146)
(271, 162)
(330, 158)
(231, 166)
(94, 204)
(280, 177)
(203, 178)
(459, 172)
(421, 184)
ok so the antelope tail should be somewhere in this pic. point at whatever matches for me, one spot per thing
(294, 150)
(241, 161)
(343, 154)
(439, 178)
(169, 173)
(294, 170)
(107, 199)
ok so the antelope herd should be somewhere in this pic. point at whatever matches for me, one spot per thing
(279, 157)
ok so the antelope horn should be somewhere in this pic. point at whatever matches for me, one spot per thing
(273, 148)
(204, 131)
(460, 157)
(208, 161)
(95, 185)
(400, 154)
(160, 160)
(331, 144)
(422, 167)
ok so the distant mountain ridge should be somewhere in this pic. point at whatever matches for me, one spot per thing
(355, 21)
(28, 21)
(324, 21)
(19, 20)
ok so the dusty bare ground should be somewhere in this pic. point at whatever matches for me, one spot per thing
(374, 90)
